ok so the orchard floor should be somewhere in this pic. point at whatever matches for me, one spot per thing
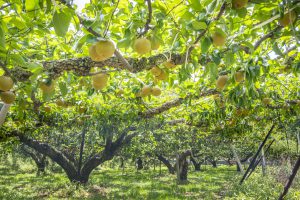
(211, 183)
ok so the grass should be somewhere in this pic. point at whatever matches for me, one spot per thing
(212, 183)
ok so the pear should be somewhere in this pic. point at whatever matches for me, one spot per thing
(221, 82)
(6, 83)
(8, 97)
(142, 46)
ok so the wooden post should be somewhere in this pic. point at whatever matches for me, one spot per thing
(257, 153)
(290, 180)
(263, 162)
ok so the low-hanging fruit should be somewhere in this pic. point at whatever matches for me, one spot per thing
(239, 76)
(105, 49)
(142, 46)
(47, 109)
(6, 83)
(156, 71)
(60, 102)
(221, 82)
(155, 91)
(163, 76)
(218, 39)
(47, 87)
(169, 64)
(145, 91)
(93, 54)
(100, 81)
(266, 101)
(8, 97)
(239, 4)
(288, 18)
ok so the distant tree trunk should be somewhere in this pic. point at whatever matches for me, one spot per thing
(290, 180)
(182, 166)
(237, 160)
(69, 166)
(39, 159)
(139, 164)
(213, 162)
(298, 142)
(197, 165)
(167, 163)
(263, 162)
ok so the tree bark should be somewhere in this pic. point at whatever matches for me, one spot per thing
(237, 159)
(39, 159)
(139, 164)
(197, 165)
(3, 113)
(182, 166)
(167, 163)
(290, 180)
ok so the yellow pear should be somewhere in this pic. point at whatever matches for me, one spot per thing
(239, 76)
(266, 101)
(163, 76)
(47, 88)
(60, 102)
(6, 83)
(155, 44)
(221, 82)
(100, 78)
(288, 18)
(238, 4)
(8, 97)
(145, 91)
(218, 39)
(105, 49)
(47, 109)
(93, 54)
(155, 91)
(81, 110)
(156, 71)
(142, 46)
(169, 64)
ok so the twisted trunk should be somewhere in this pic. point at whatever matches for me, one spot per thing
(167, 163)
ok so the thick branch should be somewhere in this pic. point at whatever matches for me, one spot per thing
(82, 66)
(53, 153)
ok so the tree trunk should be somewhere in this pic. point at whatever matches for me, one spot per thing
(290, 180)
(182, 166)
(39, 159)
(167, 163)
(197, 165)
(237, 159)
(139, 164)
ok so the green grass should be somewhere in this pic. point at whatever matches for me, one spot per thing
(212, 183)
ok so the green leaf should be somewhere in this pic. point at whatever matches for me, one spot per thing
(199, 25)
(31, 4)
(63, 88)
(196, 5)
(242, 12)
(213, 71)
(205, 45)
(211, 6)
(61, 22)
(229, 59)
(18, 59)
(276, 49)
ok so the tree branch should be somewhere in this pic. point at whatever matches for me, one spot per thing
(147, 25)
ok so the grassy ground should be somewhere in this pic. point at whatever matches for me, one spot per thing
(212, 183)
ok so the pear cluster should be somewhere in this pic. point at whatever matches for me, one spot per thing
(6, 84)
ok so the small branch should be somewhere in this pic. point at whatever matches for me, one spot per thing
(261, 40)
(111, 17)
(265, 37)
(147, 25)
(5, 6)
(221, 12)
(102, 72)
(174, 7)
